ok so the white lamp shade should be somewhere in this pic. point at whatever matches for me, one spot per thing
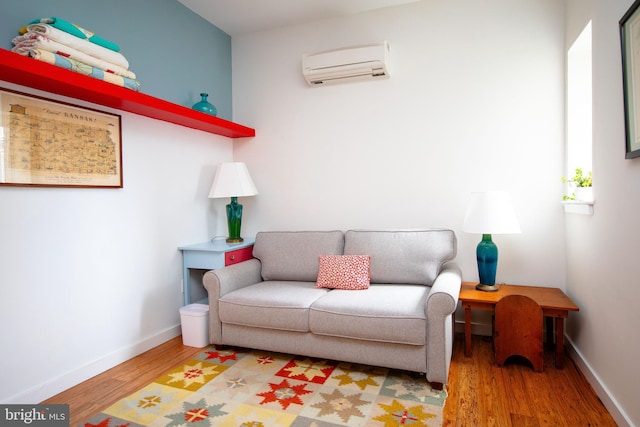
(232, 180)
(491, 212)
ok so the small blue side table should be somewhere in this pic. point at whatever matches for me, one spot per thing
(210, 256)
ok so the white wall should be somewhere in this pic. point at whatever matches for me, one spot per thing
(91, 277)
(602, 261)
(474, 102)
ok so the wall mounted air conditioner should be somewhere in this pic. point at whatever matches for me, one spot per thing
(365, 62)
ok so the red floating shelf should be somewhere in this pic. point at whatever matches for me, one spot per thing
(36, 74)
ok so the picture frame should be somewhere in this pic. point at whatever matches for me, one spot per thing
(47, 143)
(630, 44)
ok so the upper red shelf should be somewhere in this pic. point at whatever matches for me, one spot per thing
(36, 74)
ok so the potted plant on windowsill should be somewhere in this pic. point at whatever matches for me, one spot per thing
(582, 185)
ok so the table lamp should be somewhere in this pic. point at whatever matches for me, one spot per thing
(489, 213)
(233, 180)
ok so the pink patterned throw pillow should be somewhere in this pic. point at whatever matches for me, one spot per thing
(343, 272)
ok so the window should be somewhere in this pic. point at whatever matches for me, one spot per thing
(579, 105)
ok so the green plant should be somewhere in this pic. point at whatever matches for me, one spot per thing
(580, 179)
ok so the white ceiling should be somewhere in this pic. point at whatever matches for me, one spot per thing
(236, 17)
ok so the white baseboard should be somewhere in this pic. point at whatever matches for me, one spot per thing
(69, 379)
(618, 414)
(481, 329)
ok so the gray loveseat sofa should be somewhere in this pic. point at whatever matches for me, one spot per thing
(403, 320)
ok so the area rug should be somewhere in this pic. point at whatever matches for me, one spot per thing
(240, 387)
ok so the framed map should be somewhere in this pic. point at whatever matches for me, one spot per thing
(51, 143)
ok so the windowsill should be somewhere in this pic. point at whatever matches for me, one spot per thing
(577, 207)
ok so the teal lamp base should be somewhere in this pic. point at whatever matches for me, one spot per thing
(487, 257)
(234, 220)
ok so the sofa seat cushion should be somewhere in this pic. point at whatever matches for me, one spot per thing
(274, 304)
(387, 313)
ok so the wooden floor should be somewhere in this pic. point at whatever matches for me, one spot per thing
(98, 393)
(480, 393)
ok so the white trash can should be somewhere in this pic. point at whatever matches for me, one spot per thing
(195, 325)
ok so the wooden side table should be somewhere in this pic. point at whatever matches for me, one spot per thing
(210, 256)
(555, 304)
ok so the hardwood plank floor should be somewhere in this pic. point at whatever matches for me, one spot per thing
(483, 394)
(480, 393)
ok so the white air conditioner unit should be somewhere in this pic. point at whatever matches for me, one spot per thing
(365, 62)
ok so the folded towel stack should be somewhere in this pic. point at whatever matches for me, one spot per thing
(59, 42)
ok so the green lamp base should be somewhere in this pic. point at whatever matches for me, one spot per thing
(234, 221)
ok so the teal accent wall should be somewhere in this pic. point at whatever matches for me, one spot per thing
(175, 53)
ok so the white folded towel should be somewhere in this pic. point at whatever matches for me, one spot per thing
(83, 45)
(29, 41)
(87, 70)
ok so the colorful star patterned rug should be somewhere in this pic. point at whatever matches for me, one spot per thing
(240, 387)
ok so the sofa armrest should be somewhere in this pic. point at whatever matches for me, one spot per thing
(222, 281)
(441, 303)
(443, 297)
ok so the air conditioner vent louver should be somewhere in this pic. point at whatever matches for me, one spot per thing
(355, 63)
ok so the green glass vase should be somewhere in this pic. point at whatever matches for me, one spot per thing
(205, 106)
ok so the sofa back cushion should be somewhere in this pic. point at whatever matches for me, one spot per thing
(406, 257)
(293, 255)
